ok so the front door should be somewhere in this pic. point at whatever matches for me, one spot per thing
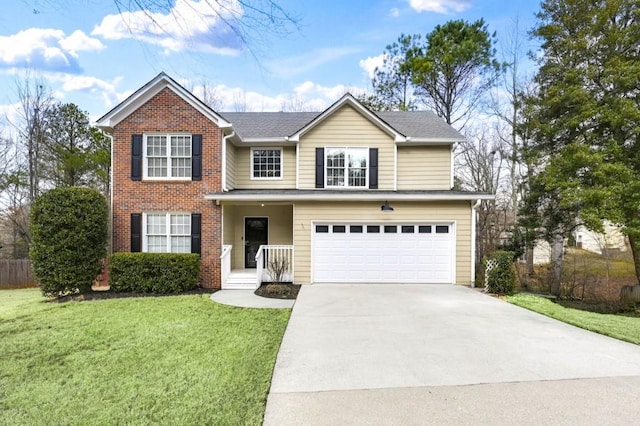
(256, 233)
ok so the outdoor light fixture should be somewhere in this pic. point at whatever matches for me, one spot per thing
(386, 207)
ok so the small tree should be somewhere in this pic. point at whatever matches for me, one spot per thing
(69, 238)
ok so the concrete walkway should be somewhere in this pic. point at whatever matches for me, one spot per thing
(432, 354)
(247, 299)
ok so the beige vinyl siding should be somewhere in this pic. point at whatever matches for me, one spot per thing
(346, 128)
(280, 227)
(228, 229)
(458, 212)
(244, 172)
(424, 167)
(231, 165)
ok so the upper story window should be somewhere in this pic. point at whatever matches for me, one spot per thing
(266, 163)
(167, 233)
(167, 156)
(346, 167)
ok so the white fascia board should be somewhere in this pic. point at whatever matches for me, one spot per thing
(348, 99)
(280, 141)
(428, 141)
(139, 98)
(328, 196)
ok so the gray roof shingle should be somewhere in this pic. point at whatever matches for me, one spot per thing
(416, 124)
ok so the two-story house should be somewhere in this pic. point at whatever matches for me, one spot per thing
(347, 195)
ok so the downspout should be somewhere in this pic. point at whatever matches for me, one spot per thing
(474, 217)
(110, 223)
(224, 160)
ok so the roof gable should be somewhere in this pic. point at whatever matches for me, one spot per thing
(147, 92)
(348, 99)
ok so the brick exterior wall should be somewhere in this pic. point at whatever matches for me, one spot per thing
(168, 112)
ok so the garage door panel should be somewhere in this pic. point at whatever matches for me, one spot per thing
(405, 257)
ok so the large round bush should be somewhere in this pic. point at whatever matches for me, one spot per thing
(68, 239)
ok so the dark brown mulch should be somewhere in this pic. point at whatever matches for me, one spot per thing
(104, 295)
(278, 291)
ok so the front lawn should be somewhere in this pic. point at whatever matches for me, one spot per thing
(153, 360)
(619, 326)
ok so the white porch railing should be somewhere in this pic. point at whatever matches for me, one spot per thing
(225, 263)
(274, 263)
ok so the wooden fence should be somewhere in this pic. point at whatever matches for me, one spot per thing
(16, 273)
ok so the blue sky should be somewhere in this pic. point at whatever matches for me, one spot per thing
(87, 54)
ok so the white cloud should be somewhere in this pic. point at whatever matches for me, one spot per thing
(440, 6)
(370, 64)
(45, 49)
(394, 12)
(308, 95)
(79, 41)
(69, 83)
(296, 65)
(190, 25)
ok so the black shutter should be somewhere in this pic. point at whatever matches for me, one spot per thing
(196, 228)
(319, 167)
(373, 168)
(196, 157)
(136, 232)
(136, 157)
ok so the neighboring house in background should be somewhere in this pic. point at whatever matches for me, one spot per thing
(595, 242)
(345, 195)
(611, 239)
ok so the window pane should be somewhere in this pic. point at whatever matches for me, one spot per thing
(181, 146)
(267, 163)
(357, 177)
(180, 224)
(355, 229)
(390, 229)
(335, 167)
(322, 229)
(156, 224)
(181, 167)
(157, 167)
(339, 229)
(157, 244)
(424, 229)
(373, 229)
(156, 146)
(442, 229)
(407, 229)
(180, 244)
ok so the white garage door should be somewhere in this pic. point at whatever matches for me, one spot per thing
(383, 253)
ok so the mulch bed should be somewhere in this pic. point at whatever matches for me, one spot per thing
(278, 291)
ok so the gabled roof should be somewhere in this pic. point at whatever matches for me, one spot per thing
(413, 126)
(348, 99)
(148, 91)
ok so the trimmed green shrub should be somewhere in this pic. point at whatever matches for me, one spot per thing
(502, 278)
(157, 273)
(68, 239)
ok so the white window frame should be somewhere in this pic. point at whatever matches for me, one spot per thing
(167, 233)
(251, 171)
(145, 158)
(346, 167)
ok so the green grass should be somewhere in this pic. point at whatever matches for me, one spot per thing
(621, 327)
(165, 360)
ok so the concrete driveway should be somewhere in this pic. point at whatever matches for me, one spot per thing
(427, 354)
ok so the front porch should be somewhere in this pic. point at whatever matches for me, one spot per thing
(257, 245)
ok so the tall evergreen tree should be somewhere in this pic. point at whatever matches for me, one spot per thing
(587, 113)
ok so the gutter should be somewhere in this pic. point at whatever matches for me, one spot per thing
(320, 195)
